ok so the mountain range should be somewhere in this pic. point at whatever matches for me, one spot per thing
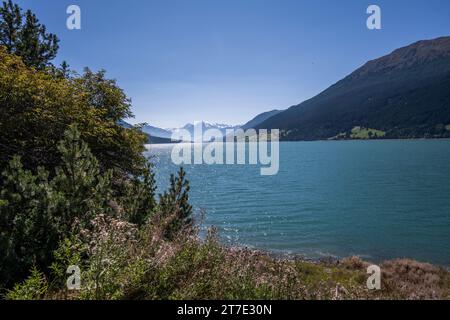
(160, 135)
(203, 126)
(405, 94)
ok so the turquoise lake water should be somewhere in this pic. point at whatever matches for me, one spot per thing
(376, 199)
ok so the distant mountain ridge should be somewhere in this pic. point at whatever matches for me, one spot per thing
(151, 132)
(405, 94)
(160, 135)
(203, 126)
(156, 132)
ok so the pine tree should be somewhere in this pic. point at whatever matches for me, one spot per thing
(64, 70)
(23, 35)
(36, 214)
(174, 205)
(139, 200)
(86, 190)
(10, 25)
(29, 222)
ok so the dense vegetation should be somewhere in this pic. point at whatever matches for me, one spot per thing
(76, 190)
(405, 94)
(65, 159)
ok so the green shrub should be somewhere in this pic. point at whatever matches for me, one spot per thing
(37, 213)
(70, 252)
(138, 197)
(175, 210)
(33, 288)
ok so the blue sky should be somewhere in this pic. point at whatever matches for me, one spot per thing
(228, 60)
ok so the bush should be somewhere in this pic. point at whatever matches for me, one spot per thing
(37, 213)
(410, 279)
(110, 245)
(33, 288)
(174, 209)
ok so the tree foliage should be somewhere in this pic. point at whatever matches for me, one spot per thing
(36, 108)
(139, 196)
(174, 205)
(23, 35)
(68, 166)
(33, 288)
(38, 212)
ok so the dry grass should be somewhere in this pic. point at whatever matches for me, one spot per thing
(126, 263)
(193, 269)
(410, 279)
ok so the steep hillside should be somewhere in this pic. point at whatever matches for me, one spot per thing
(405, 94)
(260, 118)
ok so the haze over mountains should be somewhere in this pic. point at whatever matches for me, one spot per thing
(405, 94)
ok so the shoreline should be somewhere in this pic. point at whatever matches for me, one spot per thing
(326, 259)
(317, 140)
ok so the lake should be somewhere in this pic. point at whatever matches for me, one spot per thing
(378, 199)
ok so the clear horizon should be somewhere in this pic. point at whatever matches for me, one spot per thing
(227, 61)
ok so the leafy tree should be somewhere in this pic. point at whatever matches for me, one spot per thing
(174, 205)
(36, 108)
(120, 148)
(23, 35)
(103, 93)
